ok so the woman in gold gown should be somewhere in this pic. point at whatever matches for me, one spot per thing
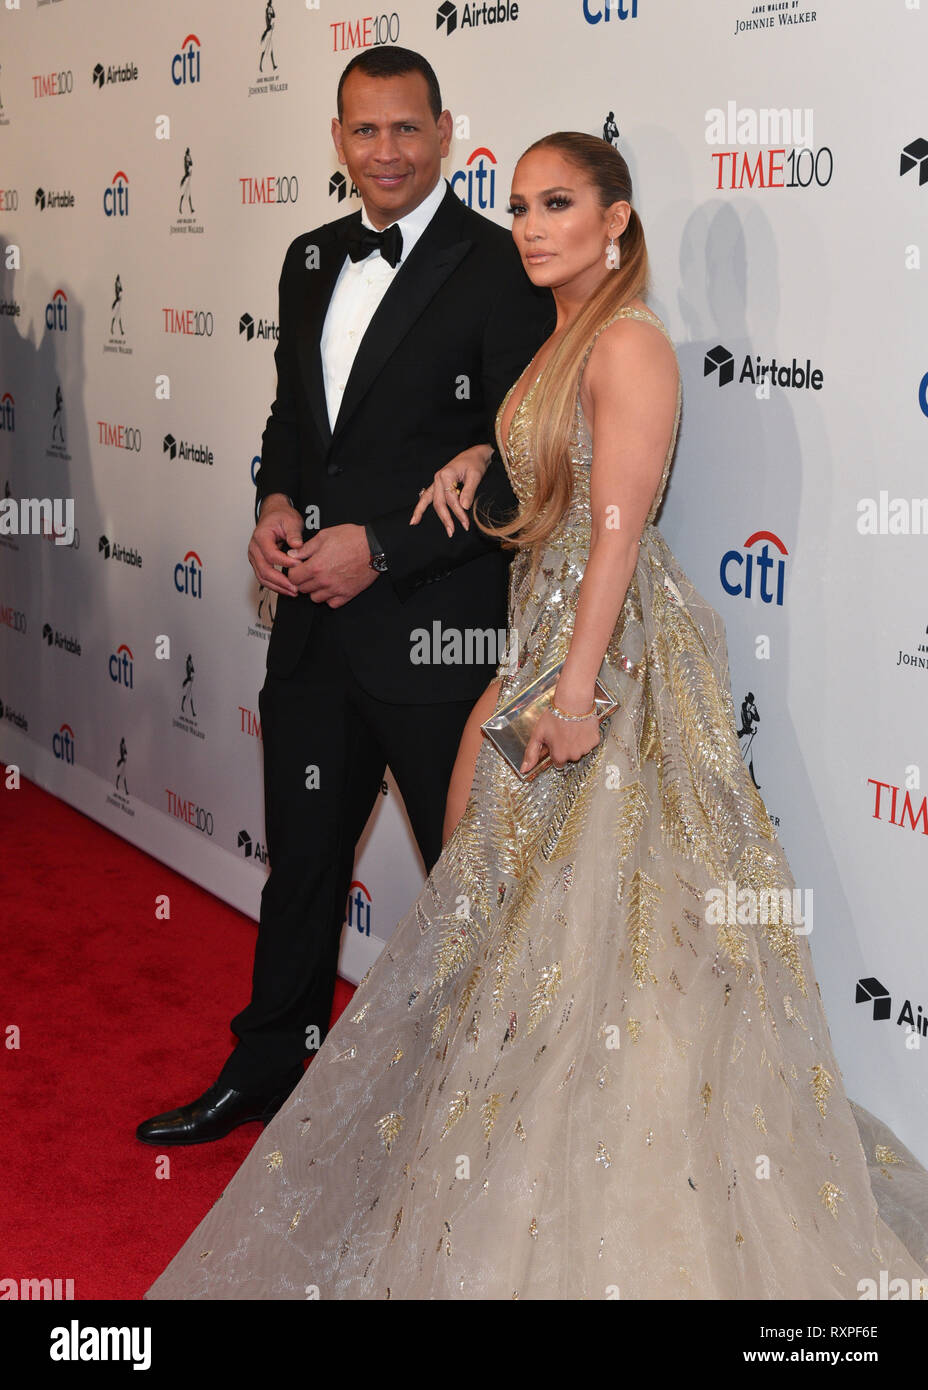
(566, 1077)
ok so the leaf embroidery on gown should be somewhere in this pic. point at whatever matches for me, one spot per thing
(562, 1076)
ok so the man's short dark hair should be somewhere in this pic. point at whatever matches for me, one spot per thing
(393, 62)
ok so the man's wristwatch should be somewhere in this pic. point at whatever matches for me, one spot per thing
(378, 560)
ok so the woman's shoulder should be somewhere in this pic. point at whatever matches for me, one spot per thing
(636, 311)
(633, 332)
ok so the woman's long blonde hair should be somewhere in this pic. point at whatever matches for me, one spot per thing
(554, 412)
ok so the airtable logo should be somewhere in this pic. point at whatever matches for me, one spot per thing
(127, 555)
(62, 640)
(14, 716)
(250, 328)
(915, 1021)
(197, 453)
(54, 198)
(915, 156)
(761, 375)
(449, 16)
(251, 848)
(105, 77)
(340, 186)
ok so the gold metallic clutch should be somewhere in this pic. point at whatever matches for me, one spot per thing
(510, 728)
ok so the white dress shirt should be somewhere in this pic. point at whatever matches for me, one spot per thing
(360, 287)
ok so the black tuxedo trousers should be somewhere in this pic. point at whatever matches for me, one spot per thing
(327, 744)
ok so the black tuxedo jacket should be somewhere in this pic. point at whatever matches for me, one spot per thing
(456, 327)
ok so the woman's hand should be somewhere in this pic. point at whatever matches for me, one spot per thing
(567, 742)
(453, 488)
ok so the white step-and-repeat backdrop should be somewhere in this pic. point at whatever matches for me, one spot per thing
(155, 162)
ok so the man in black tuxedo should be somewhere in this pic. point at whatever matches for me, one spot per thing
(400, 332)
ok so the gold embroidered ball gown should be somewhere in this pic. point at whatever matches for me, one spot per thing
(560, 1080)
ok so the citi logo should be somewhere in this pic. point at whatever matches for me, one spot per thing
(116, 197)
(119, 436)
(196, 453)
(737, 570)
(56, 312)
(125, 554)
(915, 156)
(475, 185)
(263, 328)
(192, 323)
(719, 361)
(609, 9)
(121, 666)
(373, 29)
(185, 65)
(188, 575)
(53, 84)
(904, 806)
(358, 911)
(870, 991)
(63, 744)
(273, 188)
(340, 186)
(104, 77)
(449, 16)
(7, 413)
(54, 199)
(251, 849)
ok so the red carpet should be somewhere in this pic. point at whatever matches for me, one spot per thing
(120, 1015)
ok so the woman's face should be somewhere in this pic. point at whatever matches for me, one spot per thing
(558, 223)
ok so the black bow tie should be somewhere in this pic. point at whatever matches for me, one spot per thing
(363, 240)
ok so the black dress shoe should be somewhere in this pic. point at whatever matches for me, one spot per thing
(215, 1114)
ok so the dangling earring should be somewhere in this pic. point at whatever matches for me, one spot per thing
(612, 255)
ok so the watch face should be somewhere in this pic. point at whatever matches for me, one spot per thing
(379, 563)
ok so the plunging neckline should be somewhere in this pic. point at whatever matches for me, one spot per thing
(504, 447)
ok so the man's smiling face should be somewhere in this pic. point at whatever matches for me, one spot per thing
(390, 141)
